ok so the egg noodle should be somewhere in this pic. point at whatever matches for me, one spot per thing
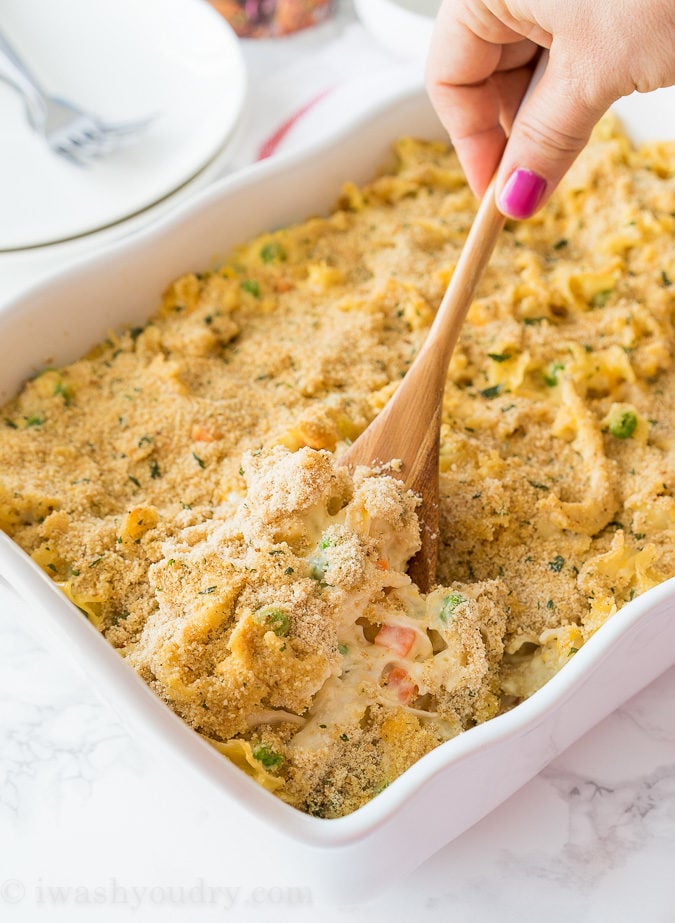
(181, 483)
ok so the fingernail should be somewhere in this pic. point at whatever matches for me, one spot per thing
(522, 193)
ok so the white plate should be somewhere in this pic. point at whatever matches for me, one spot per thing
(459, 782)
(176, 59)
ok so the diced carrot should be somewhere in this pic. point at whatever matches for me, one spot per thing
(397, 638)
(399, 681)
(382, 564)
(201, 433)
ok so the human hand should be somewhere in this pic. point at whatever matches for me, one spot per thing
(480, 62)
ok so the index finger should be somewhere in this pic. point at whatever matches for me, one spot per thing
(460, 84)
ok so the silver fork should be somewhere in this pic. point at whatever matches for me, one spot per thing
(69, 131)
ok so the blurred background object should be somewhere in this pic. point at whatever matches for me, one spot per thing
(403, 27)
(265, 18)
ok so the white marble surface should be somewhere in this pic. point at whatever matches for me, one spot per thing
(93, 826)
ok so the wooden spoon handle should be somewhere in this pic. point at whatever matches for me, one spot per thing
(472, 261)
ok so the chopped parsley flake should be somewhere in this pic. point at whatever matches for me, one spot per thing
(60, 390)
(120, 616)
(551, 376)
(600, 299)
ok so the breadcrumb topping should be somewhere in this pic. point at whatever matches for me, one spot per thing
(181, 483)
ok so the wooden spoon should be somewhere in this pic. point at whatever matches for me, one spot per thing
(408, 429)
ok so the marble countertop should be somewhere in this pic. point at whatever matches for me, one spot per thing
(85, 828)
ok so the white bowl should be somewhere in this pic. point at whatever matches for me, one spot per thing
(453, 786)
(403, 26)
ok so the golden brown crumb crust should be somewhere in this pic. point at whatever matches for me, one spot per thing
(122, 474)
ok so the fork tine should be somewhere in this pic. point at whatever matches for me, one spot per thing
(87, 139)
(84, 139)
(63, 151)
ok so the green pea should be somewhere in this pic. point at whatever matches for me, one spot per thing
(268, 757)
(623, 424)
(449, 604)
(252, 287)
(272, 251)
(276, 619)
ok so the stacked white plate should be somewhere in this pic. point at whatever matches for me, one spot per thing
(175, 60)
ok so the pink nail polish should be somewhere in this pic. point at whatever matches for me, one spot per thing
(522, 193)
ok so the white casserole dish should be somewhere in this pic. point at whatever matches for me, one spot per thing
(458, 783)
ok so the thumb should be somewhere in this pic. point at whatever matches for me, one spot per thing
(549, 131)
